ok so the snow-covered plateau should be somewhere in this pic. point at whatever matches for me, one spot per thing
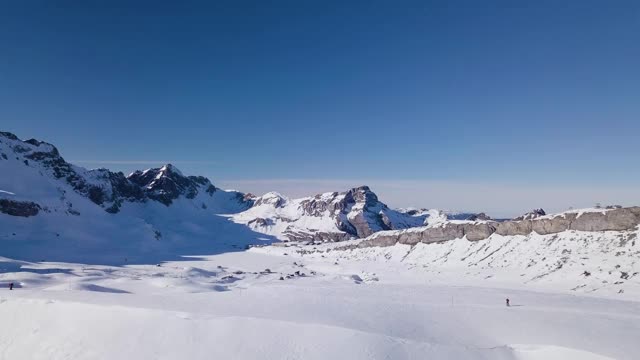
(160, 265)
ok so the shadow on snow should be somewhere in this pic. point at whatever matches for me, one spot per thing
(180, 241)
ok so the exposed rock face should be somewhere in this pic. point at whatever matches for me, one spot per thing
(522, 227)
(432, 234)
(443, 233)
(8, 135)
(617, 219)
(480, 231)
(357, 212)
(19, 208)
(551, 226)
(260, 222)
(49, 157)
(106, 189)
(366, 213)
(293, 235)
(167, 183)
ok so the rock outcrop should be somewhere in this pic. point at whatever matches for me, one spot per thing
(442, 232)
(19, 208)
(522, 227)
(615, 219)
(321, 236)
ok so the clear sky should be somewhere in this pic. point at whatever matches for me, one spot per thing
(538, 97)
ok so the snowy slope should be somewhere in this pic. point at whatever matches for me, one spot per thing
(279, 216)
(52, 210)
(596, 263)
(230, 306)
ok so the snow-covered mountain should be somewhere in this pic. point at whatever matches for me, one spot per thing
(37, 171)
(334, 216)
(46, 202)
(53, 210)
(50, 209)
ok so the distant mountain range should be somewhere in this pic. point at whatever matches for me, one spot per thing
(53, 210)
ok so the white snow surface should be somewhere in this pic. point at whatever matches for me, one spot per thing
(436, 301)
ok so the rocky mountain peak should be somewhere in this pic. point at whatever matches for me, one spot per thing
(356, 212)
(362, 189)
(45, 157)
(33, 148)
(334, 202)
(362, 194)
(167, 183)
(169, 170)
(330, 216)
(533, 214)
(271, 198)
(8, 135)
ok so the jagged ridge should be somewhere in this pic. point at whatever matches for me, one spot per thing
(105, 188)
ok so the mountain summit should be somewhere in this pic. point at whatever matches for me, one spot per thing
(51, 209)
(332, 216)
(167, 183)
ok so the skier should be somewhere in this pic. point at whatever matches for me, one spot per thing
(508, 302)
(11, 286)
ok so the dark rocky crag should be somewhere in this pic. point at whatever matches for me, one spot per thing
(19, 208)
(167, 184)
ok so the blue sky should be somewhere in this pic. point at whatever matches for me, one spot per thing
(520, 94)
